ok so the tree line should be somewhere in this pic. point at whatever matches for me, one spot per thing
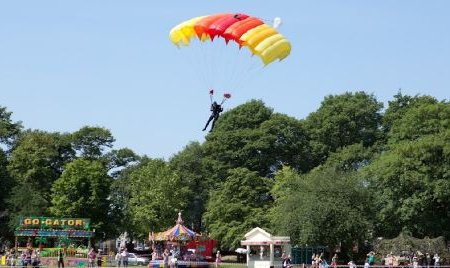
(349, 172)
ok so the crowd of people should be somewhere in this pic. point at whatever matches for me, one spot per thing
(169, 256)
(414, 260)
(122, 257)
(286, 261)
(319, 261)
(28, 257)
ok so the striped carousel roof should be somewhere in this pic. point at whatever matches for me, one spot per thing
(179, 232)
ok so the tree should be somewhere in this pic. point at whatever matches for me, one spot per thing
(36, 162)
(5, 181)
(399, 106)
(411, 187)
(239, 204)
(331, 197)
(120, 195)
(246, 116)
(117, 160)
(251, 136)
(39, 158)
(156, 195)
(328, 208)
(6, 184)
(421, 119)
(91, 142)
(25, 200)
(235, 140)
(352, 158)
(343, 120)
(189, 165)
(9, 130)
(83, 191)
(286, 144)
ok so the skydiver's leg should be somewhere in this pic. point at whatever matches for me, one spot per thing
(207, 123)
(214, 122)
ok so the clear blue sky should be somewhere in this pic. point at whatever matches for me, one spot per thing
(67, 64)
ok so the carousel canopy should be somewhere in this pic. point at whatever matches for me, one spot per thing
(177, 233)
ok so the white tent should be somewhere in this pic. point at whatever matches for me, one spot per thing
(264, 250)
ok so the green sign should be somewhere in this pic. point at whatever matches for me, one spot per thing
(53, 223)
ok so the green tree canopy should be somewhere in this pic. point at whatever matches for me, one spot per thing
(9, 130)
(25, 200)
(235, 141)
(239, 204)
(285, 142)
(343, 120)
(83, 191)
(39, 158)
(91, 142)
(421, 119)
(249, 115)
(252, 136)
(189, 165)
(400, 105)
(156, 193)
(411, 186)
(331, 197)
(35, 163)
(6, 184)
(120, 195)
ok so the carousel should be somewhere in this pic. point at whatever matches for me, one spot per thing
(170, 247)
(178, 233)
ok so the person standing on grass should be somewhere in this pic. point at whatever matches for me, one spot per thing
(218, 259)
(61, 258)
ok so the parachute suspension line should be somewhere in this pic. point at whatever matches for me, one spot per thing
(206, 51)
(188, 59)
(250, 73)
(210, 63)
(203, 61)
(237, 64)
(220, 62)
(234, 68)
(197, 59)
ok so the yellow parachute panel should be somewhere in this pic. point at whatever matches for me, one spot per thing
(183, 32)
(279, 50)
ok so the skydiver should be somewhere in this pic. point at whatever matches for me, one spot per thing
(216, 109)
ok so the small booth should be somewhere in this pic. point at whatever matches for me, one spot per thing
(265, 250)
(72, 235)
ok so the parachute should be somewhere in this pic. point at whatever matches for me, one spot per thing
(261, 39)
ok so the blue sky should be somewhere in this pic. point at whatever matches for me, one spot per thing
(67, 64)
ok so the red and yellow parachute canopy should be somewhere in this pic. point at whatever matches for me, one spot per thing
(262, 39)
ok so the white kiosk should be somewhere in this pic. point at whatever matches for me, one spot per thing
(265, 250)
